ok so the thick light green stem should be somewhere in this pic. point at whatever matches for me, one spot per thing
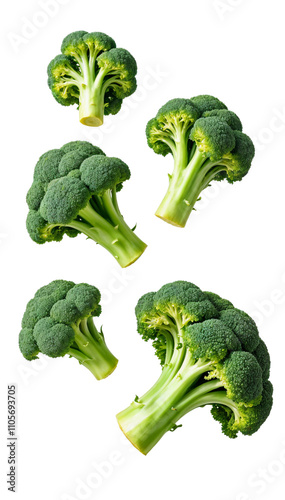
(92, 99)
(147, 419)
(92, 351)
(185, 188)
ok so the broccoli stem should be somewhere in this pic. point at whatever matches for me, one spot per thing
(92, 99)
(148, 418)
(185, 187)
(116, 237)
(91, 350)
(91, 106)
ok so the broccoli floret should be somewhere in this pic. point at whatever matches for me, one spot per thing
(211, 354)
(92, 73)
(206, 142)
(58, 321)
(75, 191)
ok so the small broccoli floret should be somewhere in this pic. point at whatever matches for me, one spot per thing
(225, 115)
(206, 103)
(58, 322)
(75, 191)
(215, 358)
(28, 346)
(92, 73)
(206, 142)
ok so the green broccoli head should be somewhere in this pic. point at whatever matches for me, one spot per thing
(215, 359)
(58, 321)
(74, 191)
(207, 143)
(93, 73)
(56, 194)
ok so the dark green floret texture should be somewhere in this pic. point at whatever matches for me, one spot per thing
(211, 354)
(92, 73)
(75, 191)
(207, 144)
(58, 321)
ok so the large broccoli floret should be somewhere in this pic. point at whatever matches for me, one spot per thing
(206, 142)
(59, 321)
(93, 73)
(74, 191)
(211, 354)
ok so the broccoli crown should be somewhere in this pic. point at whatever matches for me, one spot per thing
(206, 122)
(64, 181)
(93, 73)
(58, 321)
(220, 338)
(206, 142)
(48, 319)
(211, 340)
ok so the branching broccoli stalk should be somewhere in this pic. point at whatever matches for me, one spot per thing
(211, 354)
(75, 191)
(93, 73)
(206, 142)
(58, 321)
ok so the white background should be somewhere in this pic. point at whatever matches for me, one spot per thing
(69, 444)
